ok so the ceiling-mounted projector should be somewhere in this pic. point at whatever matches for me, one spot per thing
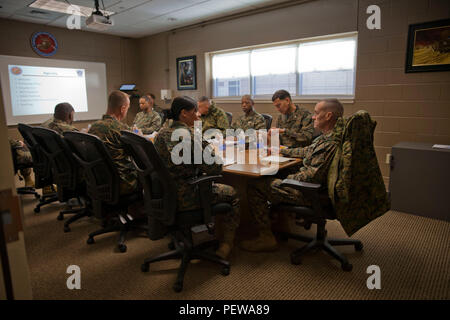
(98, 22)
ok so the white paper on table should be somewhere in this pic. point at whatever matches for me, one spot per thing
(441, 146)
(276, 159)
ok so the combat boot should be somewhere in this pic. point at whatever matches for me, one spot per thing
(226, 245)
(264, 242)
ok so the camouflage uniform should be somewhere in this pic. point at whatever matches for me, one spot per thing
(316, 161)
(253, 120)
(148, 122)
(108, 130)
(159, 110)
(188, 198)
(47, 122)
(58, 125)
(216, 118)
(299, 128)
(23, 156)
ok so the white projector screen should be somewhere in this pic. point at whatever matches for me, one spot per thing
(32, 87)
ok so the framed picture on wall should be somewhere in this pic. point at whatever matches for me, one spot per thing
(428, 47)
(187, 73)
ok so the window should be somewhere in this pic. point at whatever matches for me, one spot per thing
(304, 68)
(231, 74)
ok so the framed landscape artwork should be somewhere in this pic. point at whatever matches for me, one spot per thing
(428, 47)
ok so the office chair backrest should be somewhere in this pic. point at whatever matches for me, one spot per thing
(14, 156)
(230, 117)
(160, 191)
(268, 119)
(63, 164)
(100, 173)
(41, 165)
(355, 183)
(164, 115)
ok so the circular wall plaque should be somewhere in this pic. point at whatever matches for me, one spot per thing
(44, 44)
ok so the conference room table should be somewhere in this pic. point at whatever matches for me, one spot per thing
(238, 175)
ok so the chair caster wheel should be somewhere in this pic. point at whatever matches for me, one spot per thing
(225, 271)
(66, 229)
(347, 267)
(171, 245)
(90, 241)
(177, 287)
(37, 209)
(60, 217)
(145, 267)
(122, 248)
(296, 260)
(358, 247)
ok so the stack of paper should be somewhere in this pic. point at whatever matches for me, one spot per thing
(276, 159)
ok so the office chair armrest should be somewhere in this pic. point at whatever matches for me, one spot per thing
(300, 185)
(203, 179)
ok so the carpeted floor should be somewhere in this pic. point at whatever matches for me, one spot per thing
(411, 251)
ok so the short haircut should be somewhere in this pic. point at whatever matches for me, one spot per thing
(248, 97)
(334, 106)
(63, 111)
(203, 98)
(116, 99)
(281, 94)
(146, 98)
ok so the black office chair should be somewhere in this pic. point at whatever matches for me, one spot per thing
(20, 166)
(41, 166)
(229, 117)
(160, 195)
(66, 173)
(164, 115)
(268, 119)
(103, 186)
(322, 206)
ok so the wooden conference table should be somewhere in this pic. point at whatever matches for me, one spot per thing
(239, 174)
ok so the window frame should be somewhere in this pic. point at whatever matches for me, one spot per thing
(296, 98)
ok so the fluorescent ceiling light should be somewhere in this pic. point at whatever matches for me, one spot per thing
(64, 7)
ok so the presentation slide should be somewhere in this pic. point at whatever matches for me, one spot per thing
(33, 89)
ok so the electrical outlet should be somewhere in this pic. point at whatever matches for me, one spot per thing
(388, 158)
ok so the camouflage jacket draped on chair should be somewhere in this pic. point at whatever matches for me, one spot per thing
(355, 183)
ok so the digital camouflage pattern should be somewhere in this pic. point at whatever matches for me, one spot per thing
(253, 120)
(23, 156)
(148, 122)
(188, 197)
(216, 118)
(47, 122)
(299, 128)
(159, 110)
(355, 183)
(317, 159)
(58, 125)
(108, 130)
